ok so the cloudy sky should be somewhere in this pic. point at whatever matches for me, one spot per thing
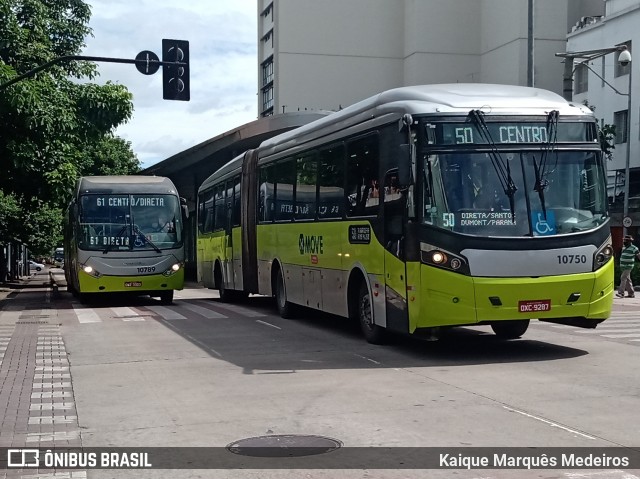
(223, 54)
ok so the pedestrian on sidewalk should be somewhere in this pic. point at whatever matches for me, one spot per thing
(628, 258)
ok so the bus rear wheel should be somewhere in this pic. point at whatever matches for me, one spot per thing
(285, 308)
(373, 333)
(166, 297)
(510, 329)
(226, 295)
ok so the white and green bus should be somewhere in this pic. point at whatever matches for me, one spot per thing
(124, 234)
(419, 209)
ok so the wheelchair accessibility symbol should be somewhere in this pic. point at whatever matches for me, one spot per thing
(543, 226)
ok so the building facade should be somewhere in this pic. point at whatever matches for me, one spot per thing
(610, 87)
(327, 54)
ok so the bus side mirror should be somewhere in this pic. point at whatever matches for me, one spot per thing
(404, 165)
(185, 208)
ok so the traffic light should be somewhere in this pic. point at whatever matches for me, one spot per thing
(175, 78)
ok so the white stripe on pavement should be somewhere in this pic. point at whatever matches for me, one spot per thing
(165, 312)
(206, 312)
(124, 312)
(235, 309)
(605, 331)
(86, 315)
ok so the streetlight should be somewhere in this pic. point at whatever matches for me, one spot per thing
(624, 58)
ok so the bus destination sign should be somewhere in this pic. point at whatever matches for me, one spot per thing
(512, 133)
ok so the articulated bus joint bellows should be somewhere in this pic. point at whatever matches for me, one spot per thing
(577, 321)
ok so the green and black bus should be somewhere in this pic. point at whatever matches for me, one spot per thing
(125, 234)
(418, 209)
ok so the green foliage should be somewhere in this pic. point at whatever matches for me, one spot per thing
(606, 135)
(10, 213)
(53, 129)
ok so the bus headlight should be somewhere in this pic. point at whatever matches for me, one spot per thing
(174, 269)
(441, 258)
(90, 271)
(602, 255)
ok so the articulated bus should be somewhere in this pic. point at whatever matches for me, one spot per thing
(420, 209)
(124, 234)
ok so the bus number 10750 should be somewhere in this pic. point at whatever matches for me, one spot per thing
(572, 258)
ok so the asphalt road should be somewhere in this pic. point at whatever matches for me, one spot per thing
(124, 372)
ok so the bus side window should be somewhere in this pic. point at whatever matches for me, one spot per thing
(331, 182)
(208, 211)
(363, 159)
(285, 180)
(235, 221)
(220, 212)
(266, 192)
(306, 174)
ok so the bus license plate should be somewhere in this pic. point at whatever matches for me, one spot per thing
(132, 284)
(533, 306)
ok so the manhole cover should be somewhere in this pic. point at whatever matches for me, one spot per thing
(287, 445)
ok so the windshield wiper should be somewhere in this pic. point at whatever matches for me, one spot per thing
(137, 231)
(501, 167)
(540, 170)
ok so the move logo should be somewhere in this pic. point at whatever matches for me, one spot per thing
(310, 244)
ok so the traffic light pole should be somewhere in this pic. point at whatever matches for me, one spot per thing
(150, 64)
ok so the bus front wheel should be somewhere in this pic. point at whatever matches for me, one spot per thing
(285, 308)
(373, 333)
(166, 297)
(510, 329)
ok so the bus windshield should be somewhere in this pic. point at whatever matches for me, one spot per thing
(463, 192)
(113, 222)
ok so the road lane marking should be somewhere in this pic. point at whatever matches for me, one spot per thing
(550, 423)
(368, 359)
(124, 312)
(235, 309)
(605, 331)
(202, 311)
(166, 313)
(621, 336)
(268, 324)
(86, 315)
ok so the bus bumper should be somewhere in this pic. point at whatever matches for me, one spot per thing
(449, 299)
(130, 284)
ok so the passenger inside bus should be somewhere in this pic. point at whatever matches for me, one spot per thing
(163, 225)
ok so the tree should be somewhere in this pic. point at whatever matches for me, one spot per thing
(606, 135)
(54, 128)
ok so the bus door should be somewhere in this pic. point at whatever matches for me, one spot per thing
(394, 215)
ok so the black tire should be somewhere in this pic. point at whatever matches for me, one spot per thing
(226, 295)
(510, 329)
(285, 308)
(38, 269)
(166, 297)
(373, 333)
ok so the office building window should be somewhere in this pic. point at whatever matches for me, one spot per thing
(620, 119)
(268, 12)
(267, 71)
(267, 98)
(268, 38)
(581, 78)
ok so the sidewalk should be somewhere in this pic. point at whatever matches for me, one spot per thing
(35, 280)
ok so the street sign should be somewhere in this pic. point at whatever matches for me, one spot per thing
(147, 62)
(627, 222)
